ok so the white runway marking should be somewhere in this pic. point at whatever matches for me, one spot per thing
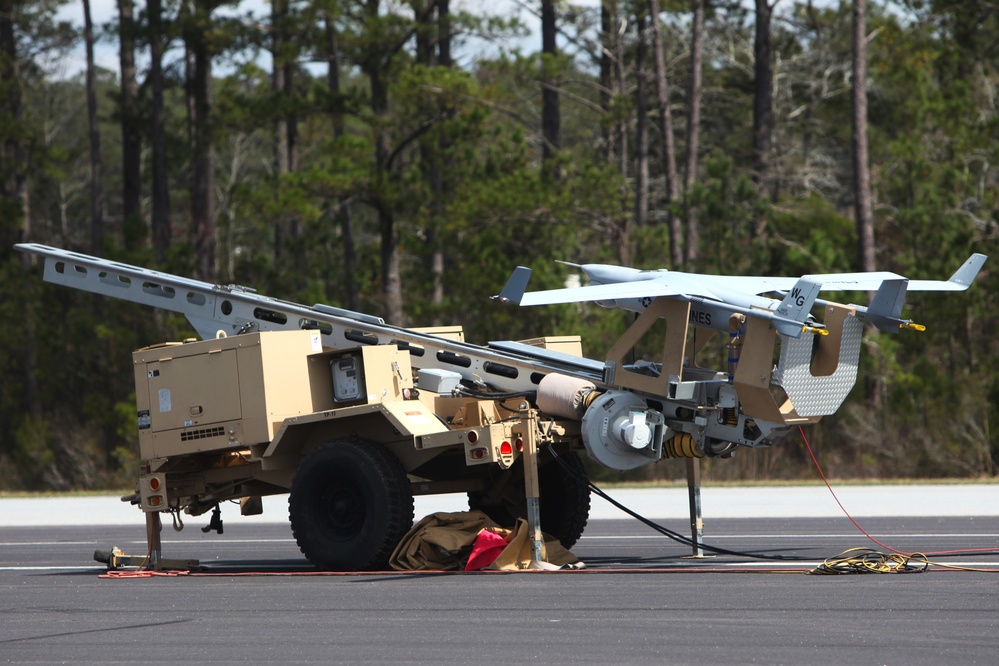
(842, 535)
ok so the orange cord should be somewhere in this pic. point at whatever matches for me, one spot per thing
(833, 493)
(865, 532)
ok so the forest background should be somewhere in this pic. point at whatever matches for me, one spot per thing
(400, 158)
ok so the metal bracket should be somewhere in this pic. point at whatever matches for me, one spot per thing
(153, 561)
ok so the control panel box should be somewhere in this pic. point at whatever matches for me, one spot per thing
(372, 374)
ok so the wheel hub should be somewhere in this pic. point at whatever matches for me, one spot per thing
(345, 508)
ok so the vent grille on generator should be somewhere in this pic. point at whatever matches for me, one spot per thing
(204, 433)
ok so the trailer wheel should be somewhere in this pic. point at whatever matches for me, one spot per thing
(350, 504)
(564, 490)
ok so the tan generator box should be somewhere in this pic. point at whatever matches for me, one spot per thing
(226, 393)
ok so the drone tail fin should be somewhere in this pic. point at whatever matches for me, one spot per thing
(885, 310)
(967, 273)
(513, 290)
(797, 303)
(793, 315)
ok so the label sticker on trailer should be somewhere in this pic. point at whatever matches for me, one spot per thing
(166, 403)
(417, 417)
(316, 340)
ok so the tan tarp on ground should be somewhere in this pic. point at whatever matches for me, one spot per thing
(443, 542)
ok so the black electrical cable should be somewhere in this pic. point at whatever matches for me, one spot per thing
(854, 560)
(665, 531)
(489, 395)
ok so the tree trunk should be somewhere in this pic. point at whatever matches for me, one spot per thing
(342, 208)
(692, 245)
(391, 270)
(13, 155)
(13, 152)
(622, 122)
(641, 126)
(96, 185)
(390, 264)
(13, 187)
(279, 17)
(607, 35)
(551, 120)
(439, 185)
(444, 58)
(762, 108)
(861, 166)
(425, 48)
(161, 229)
(672, 190)
(131, 137)
(203, 155)
(431, 148)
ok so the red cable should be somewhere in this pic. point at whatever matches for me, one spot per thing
(862, 530)
(833, 493)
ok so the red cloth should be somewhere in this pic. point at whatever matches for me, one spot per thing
(488, 546)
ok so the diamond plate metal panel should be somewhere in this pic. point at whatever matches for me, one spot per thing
(818, 396)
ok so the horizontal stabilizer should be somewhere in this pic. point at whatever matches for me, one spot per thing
(959, 281)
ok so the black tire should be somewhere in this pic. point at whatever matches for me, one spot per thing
(564, 491)
(350, 504)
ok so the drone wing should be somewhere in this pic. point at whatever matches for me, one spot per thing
(959, 281)
(516, 286)
(690, 286)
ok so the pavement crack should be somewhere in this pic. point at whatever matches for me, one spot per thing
(91, 631)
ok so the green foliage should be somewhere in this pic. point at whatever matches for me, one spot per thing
(725, 202)
(449, 156)
(810, 236)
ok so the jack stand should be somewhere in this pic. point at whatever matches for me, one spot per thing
(154, 561)
(533, 491)
(215, 523)
(694, 499)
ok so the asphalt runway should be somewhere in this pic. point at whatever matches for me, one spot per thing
(641, 600)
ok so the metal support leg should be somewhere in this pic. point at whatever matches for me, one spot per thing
(694, 498)
(153, 528)
(532, 489)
